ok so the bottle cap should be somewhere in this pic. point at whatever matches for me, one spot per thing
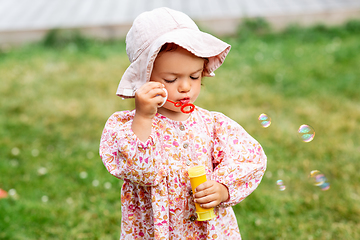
(196, 171)
(204, 216)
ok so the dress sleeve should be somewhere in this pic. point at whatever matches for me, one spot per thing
(126, 157)
(238, 159)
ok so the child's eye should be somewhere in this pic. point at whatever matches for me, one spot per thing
(194, 78)
(170, 81)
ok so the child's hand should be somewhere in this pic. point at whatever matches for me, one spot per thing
(147, 99)
(210, 194)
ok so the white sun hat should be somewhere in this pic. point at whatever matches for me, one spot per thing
(150, 31)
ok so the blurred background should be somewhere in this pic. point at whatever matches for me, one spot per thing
(23, 21)
(291, 80)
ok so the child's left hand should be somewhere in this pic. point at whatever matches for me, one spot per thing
(210, 194)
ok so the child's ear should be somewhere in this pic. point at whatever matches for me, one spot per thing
(206, 61)
(202, 77)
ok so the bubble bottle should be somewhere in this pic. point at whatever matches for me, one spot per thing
(197, 176)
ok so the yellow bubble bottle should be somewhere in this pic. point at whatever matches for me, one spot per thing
(197, 176)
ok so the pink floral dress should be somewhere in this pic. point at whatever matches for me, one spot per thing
(156, 196)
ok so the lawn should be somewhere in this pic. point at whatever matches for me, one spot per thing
(57, 95)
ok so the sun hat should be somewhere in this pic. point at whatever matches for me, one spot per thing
(150, 31)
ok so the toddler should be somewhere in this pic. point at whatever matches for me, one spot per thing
(152, 147)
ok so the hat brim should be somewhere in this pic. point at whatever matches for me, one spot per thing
(198, 43)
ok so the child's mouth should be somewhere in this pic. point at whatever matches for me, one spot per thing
(184, 101)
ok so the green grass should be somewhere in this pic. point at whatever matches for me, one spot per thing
(57, 95)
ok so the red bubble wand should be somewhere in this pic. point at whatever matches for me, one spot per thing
(184, 107)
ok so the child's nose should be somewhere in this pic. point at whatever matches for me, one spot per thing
(185, 85)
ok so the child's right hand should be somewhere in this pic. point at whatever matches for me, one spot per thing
(147, 99)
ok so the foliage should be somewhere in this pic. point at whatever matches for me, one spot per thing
(61, 38)
(253, 27)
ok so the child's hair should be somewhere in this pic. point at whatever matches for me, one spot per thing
(168, 47)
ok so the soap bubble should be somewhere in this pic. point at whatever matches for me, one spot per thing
(306, 133)
(95, 183)
(13, 194)
(83, 175)
(281, 185)
(318, 179)
(42, 171)
(107, 185)
(69, 200)
(35, 152)
(265, 120)
(15, 151)
(44, 199)
(325, 186)
(258, 222)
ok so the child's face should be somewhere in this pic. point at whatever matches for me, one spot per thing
(181, 72)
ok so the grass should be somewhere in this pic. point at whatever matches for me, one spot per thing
(57, 95)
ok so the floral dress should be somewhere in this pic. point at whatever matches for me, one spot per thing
(156, 197)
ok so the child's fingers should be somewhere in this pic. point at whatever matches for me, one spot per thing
(209, 194)
(208, 201)
(205, 192)
(147, 99)
(152, 92)
(153, 85)
(205, 198)
(149, 87)
(211, 204)
(159, 96)
(159, 92)
(204, 186)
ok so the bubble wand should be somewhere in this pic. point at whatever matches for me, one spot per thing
(182, 106)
